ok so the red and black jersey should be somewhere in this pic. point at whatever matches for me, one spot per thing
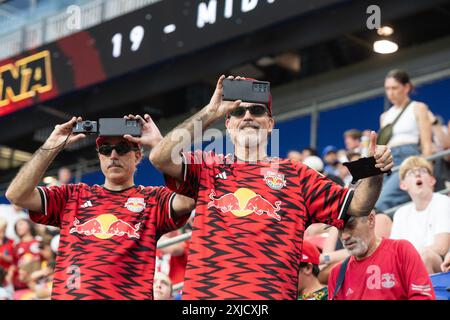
(108, 239)
(249, 224)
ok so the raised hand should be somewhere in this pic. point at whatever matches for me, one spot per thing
(150, 136)
(62, 135)
(219, 107)
(382, 154)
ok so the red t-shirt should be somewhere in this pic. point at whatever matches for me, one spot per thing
(394, 271)
(108, 239)
(249, 224)
(6, 249)
(178, 266)
(173, 266)
(24, 252)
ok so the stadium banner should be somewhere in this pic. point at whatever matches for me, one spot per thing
(140, 39)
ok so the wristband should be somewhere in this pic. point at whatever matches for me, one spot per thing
(363, 168)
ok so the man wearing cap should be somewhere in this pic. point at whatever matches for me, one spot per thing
(329, 156)
(378, 268)
(252, 209)
(309, 286)
(108, 233)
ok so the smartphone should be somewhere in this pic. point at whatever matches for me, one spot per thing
(110, 127)
(246, 90)
(119, 127)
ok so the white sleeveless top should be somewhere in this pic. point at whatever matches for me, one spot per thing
(406, 129)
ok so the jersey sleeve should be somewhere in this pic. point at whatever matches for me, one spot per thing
(326, 201)
(417, 281)
(54, 200)
(166, 221)
(193, 165)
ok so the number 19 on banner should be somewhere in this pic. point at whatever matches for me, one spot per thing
(136, 37)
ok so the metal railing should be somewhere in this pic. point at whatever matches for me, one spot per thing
(393, 209)
(28, 35)
(435, 156)
(174, 240)
(165, 243)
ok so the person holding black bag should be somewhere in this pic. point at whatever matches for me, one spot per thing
(406, 130)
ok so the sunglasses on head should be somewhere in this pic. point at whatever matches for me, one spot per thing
(121, 148)
(255, 110)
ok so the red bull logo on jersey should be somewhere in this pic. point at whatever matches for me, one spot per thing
(106, 226)
(244, 202)
(274, 180)
(135, 204)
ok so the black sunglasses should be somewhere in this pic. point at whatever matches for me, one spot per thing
(255, 110)
(121, 148)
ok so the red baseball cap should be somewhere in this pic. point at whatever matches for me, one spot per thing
(310, 253)
(100, 140)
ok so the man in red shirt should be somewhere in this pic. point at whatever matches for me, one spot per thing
(252, 209)
(109, 232)
(379, 268)
(26, 250)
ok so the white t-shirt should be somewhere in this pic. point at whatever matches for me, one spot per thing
(420, 227)
(406, 129)
(7, 292)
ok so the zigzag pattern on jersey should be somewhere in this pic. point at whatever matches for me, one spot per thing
(119, 267)
(254, 256)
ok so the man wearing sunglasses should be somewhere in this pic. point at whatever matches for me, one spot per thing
(108, 233)
(252, 210)
(378, 268)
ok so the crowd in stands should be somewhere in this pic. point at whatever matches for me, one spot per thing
(27, 253)
(418, 229)
(422, 215)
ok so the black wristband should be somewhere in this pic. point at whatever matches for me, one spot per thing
(363, 168)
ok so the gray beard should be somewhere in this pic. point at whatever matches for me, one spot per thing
(360, 249)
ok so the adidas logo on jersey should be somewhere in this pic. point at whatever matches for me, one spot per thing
(86, 204)
(349, 292)
(222, 175)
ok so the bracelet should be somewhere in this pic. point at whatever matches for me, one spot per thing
(62, 144)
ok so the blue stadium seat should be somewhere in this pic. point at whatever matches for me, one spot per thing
(441, 285)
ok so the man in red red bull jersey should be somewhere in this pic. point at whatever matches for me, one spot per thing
(108, 233)
(252, 209)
